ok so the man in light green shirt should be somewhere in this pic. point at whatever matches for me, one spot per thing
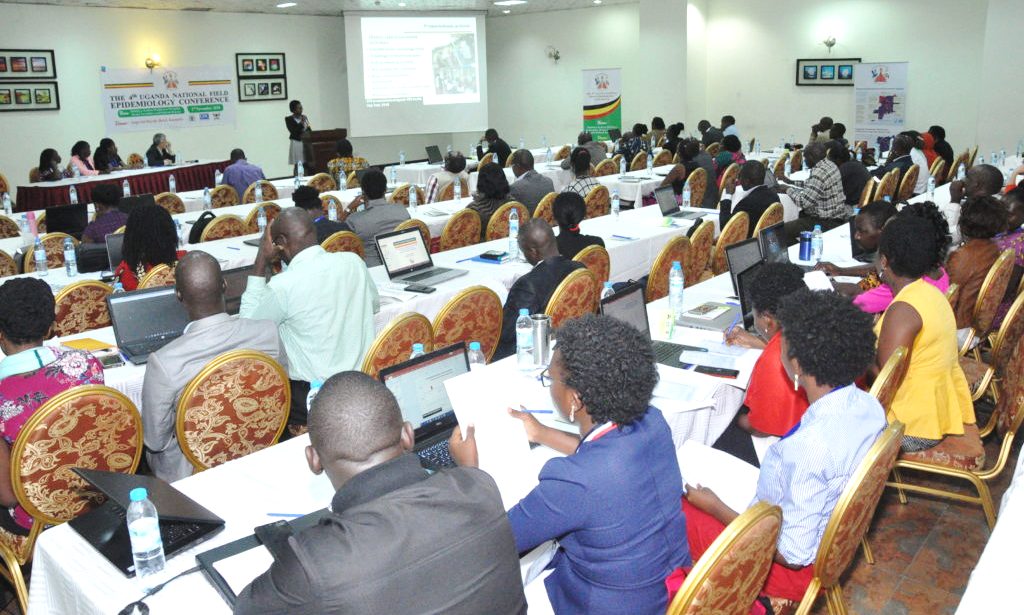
(323, 304)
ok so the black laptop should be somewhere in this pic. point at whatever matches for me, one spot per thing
(434, 154)
(418, 385)
(773, 246)
(145, 321)
(666, 198)
(236, 281)
(741, 256)
(127, 203)
(183, 522)
(614, 134)
(745, 280)
(70, 219)
(115, 249)
(629, 306)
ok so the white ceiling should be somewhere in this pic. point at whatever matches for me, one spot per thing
(328, 7)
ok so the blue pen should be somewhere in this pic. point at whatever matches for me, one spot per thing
(537, 411)
(462, 260)
(288, 515)
(623, 238)
(735, 321)
(233, 248)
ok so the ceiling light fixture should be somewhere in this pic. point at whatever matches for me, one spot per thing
(286, 5)
(509, 2)
(597, 1)
(401, 4)
(506, 11)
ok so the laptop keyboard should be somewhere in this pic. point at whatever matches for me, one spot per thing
(666, 352)
(426, 274)
(171, 532)
(436, 455)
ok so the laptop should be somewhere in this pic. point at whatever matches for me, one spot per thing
(115, 246)
(407, 260)
(236, 281)
(773, 246)
(745, 280)
(670, 207)
(418, 385)
(614, 134)
(127, 203)
(183, 522)
(70, 219)
(629, 306)
(741, 256)
(145, 321)
(434, 154)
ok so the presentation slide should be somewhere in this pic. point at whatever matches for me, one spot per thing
(415, 75)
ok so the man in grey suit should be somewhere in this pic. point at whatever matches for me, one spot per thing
(597, 151)
(376, 216)
(210, 332)
(530, 186)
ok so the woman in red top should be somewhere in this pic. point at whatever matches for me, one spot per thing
(150, 239)
(771, 407)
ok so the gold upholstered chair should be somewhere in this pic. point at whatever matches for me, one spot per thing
(598, 201)
(596, 259)
(171, 202)
(81, 306)
(545, 209)
(473, 315)
(344, 241)
(771, 216)
(322, 182)
(701, 245)
(394, 344)
(271, 210)
(677, 249)
(418, 224)
(498, 225)
(462, 229)
(223, 196)
(8, 228)
(735, 231)
(993, 289)
(53, 243)
(158, 276)
(698, 182)
(268, 190)
(223, 227)
(576, 295)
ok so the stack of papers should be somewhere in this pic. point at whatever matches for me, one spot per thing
(734, 481)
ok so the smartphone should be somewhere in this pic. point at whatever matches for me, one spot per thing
(419, 288)
(111, 361)
(721, 372)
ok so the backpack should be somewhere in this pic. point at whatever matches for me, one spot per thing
(199, 226)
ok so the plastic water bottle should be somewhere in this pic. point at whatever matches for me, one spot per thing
(548, 155)
(75, 171)
(394, 174)
(608, 290)
(981, 158)
(544, 141)
(314, 388)
(757, 146)
(654, 144)
(477, 360)
(207, 201)
(8, 208)
(1002, 157)
(931, 188)
(860, 156)
(522, 143)
(258, 192)
(401, 158)
(449, 150)
(218, 177)
(616, 206)
(994, 159)
(125, 188)
(332, 212)
(417, 351)
(118, 287)
(676, 282)
(261, 220)
(73, 194)
(524, 340)
(414, 196)
(788, 169)
(513, 234)
(622, 166)
(961, 172)
(817, 244)
(70, 258)
(39, 256)
(172, 186)
(650, 165)
(686, 194)
(144, 532)
(457, 189)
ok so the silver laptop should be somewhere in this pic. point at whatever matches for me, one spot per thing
(407, 260)
(670, 208)
(145, 321)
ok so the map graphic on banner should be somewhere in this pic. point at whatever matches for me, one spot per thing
(880, 93)
(167, 98)
(602, 101)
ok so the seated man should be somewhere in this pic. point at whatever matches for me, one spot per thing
(159, 153)
(454, 167)
(729, 127)
(898, 158)
(396, 539)
(821, 199)
(708, 133)
(308, 199)
(376, 216)
(530, 186)
(533, 291)
(583, 183)
(756, 197)
(981, 180)
(323, 304)
(838, 134)
(210, 332)
(597, 150)
(820, 131)
(240, 174)
(495, 145)
(108, 217)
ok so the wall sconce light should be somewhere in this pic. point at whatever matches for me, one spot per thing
(152, 62)
(554, 54)
(830, 42)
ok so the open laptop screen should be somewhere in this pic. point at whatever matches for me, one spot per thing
(666, 200)
(235, 280)
(745, 280)
(70, 219)
(628, 306)
(741, 256)
(773, 244)
(434, 154)
(146, 315)
(115, 246)
(418, 385)
(403, 251)
(127, 203)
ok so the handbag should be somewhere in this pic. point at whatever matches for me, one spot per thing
(199, 226)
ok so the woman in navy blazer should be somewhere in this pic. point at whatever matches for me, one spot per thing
(613, 503)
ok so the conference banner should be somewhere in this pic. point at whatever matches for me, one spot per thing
(168, 98)
(602, 101)
(880, 100)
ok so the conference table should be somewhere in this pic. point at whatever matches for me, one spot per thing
(187, 176)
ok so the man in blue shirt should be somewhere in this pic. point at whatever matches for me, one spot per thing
(240, 174)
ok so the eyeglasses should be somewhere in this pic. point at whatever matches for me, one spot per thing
(546, 379)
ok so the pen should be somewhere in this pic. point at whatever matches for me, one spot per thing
(233, 248)
(694, 348)
(462, 260)
(537, 411)
(289, 515)
(735, 321)
(623, 238)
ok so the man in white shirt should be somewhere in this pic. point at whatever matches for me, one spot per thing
(454, 167)
(729, 126)
(918, 157)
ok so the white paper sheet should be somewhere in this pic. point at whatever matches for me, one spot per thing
(817, 280)
(743, 359)
(733, 481)
(846, 279)
(682, 391)
(240, 570)
(762, 444)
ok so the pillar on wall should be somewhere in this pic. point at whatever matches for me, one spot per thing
(663, 58)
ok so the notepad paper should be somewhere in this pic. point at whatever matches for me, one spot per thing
(817, 280)
(240, 570)
(87, 343)
(734, 481)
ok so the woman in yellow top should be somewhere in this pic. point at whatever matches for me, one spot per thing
(934, 399)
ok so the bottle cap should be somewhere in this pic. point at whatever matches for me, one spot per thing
(474, 345)
(138, 494)
(316, 384)
(417, 347)
(524, 311)
(607, 284)
(676, 265)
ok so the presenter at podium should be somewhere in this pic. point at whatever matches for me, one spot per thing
(297, 124)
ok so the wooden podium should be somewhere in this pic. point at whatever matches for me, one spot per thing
(320, 146)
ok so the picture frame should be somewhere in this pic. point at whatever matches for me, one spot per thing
(27, 64)
(826, 72)
(260, 89)
(29, 96)
(260, 65)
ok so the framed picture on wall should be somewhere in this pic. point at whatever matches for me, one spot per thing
(29, 96)
(260, 89)
(259, 65)
(20, 64)
(825, 71)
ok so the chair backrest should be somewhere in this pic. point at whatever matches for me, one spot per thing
(344, 241)
(8, 228)
(959, 161)
(698, 181)
(596, 259)
(938, 169)
(545, 209)
(487, 159)
(867, 194)
(771, 216)
(352, 181)
(993, 289)
(677, 249)
(161, 275)
(419, 224)
(223, 196)
(779, 168)
(322, 182)
(473, 315)
(7, 265)
(728, 577)
(223, 227)
(605, 167)
(852, 515)
(796, 160)
(735, 231)
(81, 306)
(713, 149)
(887, 187)
(701, 243)
(1009, 332)
(394, 344)
(890, 378)
(401, 195)
(171, 202)
(563, 152)
(508, 159)
(639, 162)
(327, 200)
(662, 158)
(236, 405)
(576, 295)
(271, 210)
(269, 191)
(617, 160)
(462, 229)
(497, 227)
(1010, 407)
(729, 176)
(598, 201)
(971, 156)
(908, 183)
(5, 186)
(94, 427)
(447, 192)
(135, 161)
(53, 243)
(953, 293)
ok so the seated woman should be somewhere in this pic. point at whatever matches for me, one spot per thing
(771, 406)
(348, 162)
(30, 374)
(732, 151)
(867, 229)
(491, 193)
(150, 239)
(981, 219)
(49, 166)
(108, 146)
(81, 158)
(613, 501)
(934, 399)
(673, 138)
(569, 211)
(826, 344)
(1012, 239)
